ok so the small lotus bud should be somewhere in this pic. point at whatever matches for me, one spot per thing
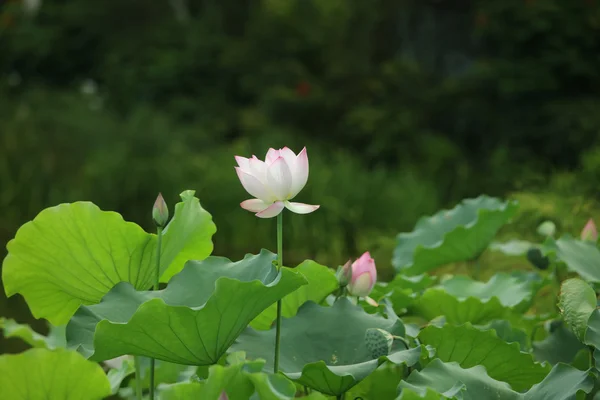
(344, 274)
(378, 342)
(223, 396)
(589, 232)
(364, 276)
(160, 212)
(547, 228)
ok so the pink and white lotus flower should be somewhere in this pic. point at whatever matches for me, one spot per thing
(274, 182)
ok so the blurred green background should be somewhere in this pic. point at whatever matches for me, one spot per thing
(405, 106)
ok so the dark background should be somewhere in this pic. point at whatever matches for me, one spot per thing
(405, 107)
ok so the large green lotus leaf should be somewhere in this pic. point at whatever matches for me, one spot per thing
(42, 374)
(381, 384)
(508, 333)
(560, 346)
(324, 347)
(193, 321)
(459, 234)
(239, 382)
(321, 283)
(437, 302)
(513, 291)
(450, 379)
(592, 336)
(592, 333)
(73, 254)
(55, 338)
(562, 383)
(577, 301)
(188, 236)
(182, 391)
(579, 256)
(469, 347)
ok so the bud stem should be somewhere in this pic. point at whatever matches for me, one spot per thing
(155, 287)
(138, 377)
(159, 231)
(279, 265)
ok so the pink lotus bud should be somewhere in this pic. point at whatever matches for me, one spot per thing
(274, 182)
(223, 396)
(160, 212)
(364, 276)
(344, 274)
(589, 232)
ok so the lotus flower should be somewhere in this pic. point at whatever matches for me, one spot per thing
(589, 232)
(274, 182)
(364, 276)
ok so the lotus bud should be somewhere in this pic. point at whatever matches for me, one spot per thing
(160, 212)
(378, 342)
(547, 228)
(589, 232)
(364, 276)
(344, 274)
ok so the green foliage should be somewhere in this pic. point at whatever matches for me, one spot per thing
(73, 254)
(324, 347)
(381, 384)
(508, 333)
(461, 338)
(187, 237)
(560, 346)
(39, 374)
(450, 380)
(592, 333)
(55, 338)
(197, 317)
(321, 283)
(514, 291)
(469, 347)
(579, 256)
(461, 299)
(577, 301)
(239, 380)
(460, 234)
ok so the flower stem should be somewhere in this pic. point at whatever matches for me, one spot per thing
(138, 377)
(156, 283)
(279, 266)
